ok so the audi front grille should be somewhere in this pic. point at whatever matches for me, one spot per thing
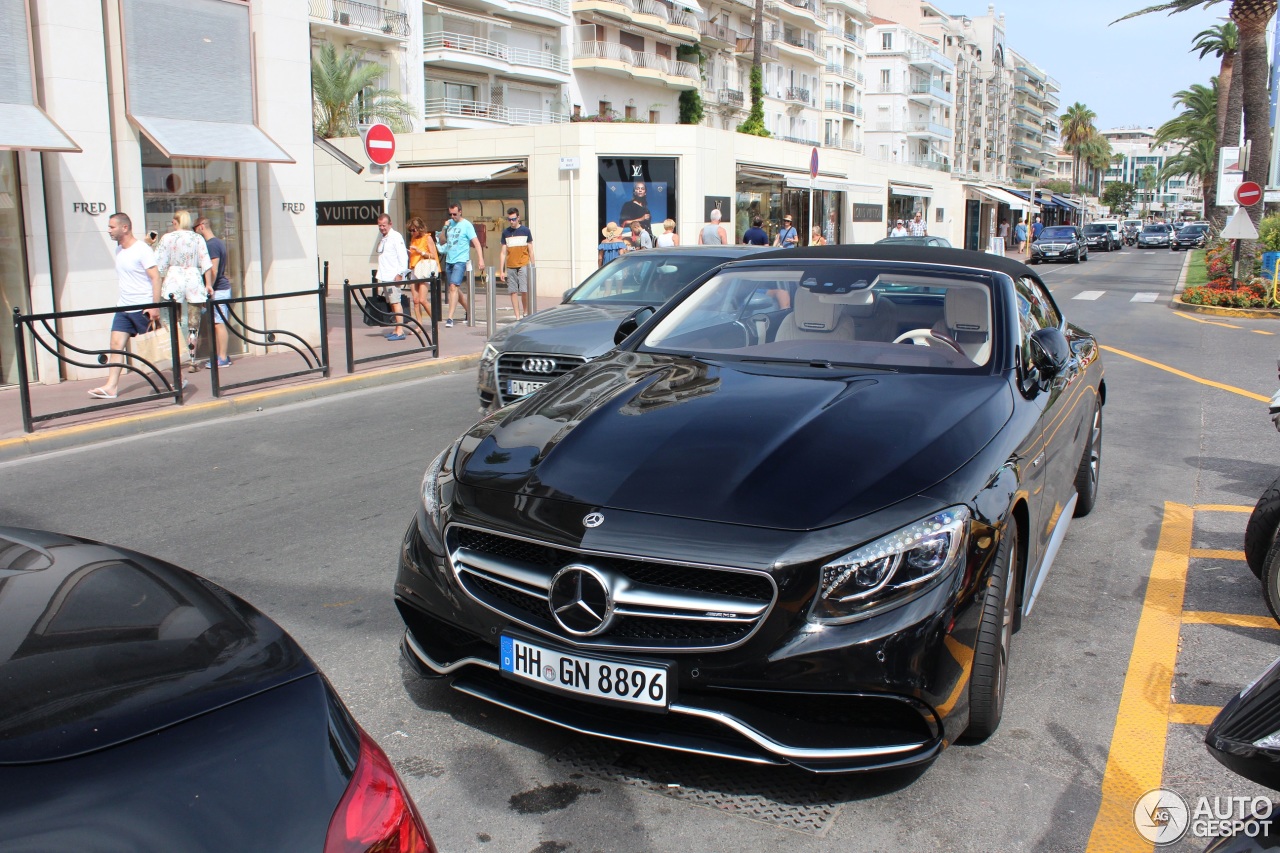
(651, 605)
(532, 367)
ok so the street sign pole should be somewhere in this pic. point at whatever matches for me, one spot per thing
(380, 148)
(570, 165)
(813, 178)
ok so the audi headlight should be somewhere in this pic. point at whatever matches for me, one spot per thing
(891, 569)
(489, 353)
(438, 473)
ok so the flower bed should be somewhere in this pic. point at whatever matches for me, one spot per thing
(1253, 292)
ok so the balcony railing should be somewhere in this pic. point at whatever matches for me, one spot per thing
(496, 50)
(731, 97)
(846, 72)
(745, 47)
(795, 94)
(805, 5)
(930, 127)
(803, 41)
(932, 57)
(558, 6)
(719, 32)
(812, 143)
(457, 108)
(928, 88)
(361, 16)
(621, 53)
(936, 165)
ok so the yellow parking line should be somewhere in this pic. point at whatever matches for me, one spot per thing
(1260, 332)
(1206, 322)
(1231, 620)
(1213, 554)
(1221, 508)
(1193, 715)
(1135, 760)
(1176, 372)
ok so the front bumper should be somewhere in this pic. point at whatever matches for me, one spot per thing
(887, 691)
(1058, 253)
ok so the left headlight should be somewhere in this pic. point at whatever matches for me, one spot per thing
(438, 473)
(489, 353)
(891, 569)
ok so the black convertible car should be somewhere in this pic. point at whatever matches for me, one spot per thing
(797, 535)
(143, 708)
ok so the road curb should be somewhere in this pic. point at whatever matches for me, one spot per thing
(1217, 311)
(79, 435)
(1181, 283)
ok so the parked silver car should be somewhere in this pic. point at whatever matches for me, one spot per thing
(531, 352)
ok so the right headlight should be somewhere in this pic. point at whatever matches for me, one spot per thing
(489, 353)
(892, 568)
(439, 474)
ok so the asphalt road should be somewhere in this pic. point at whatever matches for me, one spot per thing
(300, 510)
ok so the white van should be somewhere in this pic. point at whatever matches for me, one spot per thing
(1113, 225)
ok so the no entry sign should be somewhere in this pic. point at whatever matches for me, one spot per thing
(380, 144)
(1248, 194)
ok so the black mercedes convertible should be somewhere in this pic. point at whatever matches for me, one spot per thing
(795, 517)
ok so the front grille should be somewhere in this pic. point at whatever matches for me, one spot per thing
(1259, 721)
(659, 606)
(543, 367)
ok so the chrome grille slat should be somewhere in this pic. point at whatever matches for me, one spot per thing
(511, 366)
(675, 607)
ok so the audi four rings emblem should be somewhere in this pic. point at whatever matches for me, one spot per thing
(581, 601)
(539, 365)
(593, 519)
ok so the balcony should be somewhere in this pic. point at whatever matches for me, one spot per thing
(745, 47)
(362, 17)
(929, 57)
(802, 11)
(936, 165)
(555, 12)
(928, 128)
(731, 98)
(621, 61)
(469, 53)
(794, 43)
(645, 13)
(795, 95)
(845, 72)
(1029, 107)
(453, 113)
(852, 110)
(799, 140)
(925, 89)
(719, 33)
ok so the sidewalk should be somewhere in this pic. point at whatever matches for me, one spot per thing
(459, 351)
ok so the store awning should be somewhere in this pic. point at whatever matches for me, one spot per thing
(26, 127)
(802, 182)
(1002, 196)
(23, 125)
(181, 139)
(449, 173)
(913, 190)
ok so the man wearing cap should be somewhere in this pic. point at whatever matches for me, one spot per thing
(787, 237)
(900, 230)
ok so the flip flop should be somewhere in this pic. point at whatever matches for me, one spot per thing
(101, 394)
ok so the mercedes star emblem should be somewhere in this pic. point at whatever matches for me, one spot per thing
(593, 519)
(580, 601)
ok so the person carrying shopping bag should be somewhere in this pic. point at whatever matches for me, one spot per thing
(186, 275)
(424, 262)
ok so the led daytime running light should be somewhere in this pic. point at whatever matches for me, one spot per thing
(890, 549)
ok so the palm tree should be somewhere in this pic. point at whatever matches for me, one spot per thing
(1147, 178)
(1077, 129)
(1251, 18)
(754, 123)
(1198, 159)
(343, 97)
(1222, 41)
(1194, 130)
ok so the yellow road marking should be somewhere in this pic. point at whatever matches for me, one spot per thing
(1135, 760)
(1206, 322)
(1176, 372)
(1260, 332)
(1221, 508)
(1213, 554)
(1232, 620)
(1193, 715)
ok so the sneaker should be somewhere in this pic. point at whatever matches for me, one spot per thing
(395, 337)
(448, 324)
(222, 362)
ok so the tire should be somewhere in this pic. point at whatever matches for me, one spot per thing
(1078, 258)
(995, 635)
(1271, 581)
(1090, 468)
(1261, 529)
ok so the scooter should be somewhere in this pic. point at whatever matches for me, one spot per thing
(1130, 237)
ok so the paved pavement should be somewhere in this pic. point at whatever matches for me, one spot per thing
(459, 351)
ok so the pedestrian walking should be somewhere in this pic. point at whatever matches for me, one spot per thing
(668, 237)
(638, 238)
(1036, 227)
(139, 285)
(787, 237)
(515, 260)
(393, 265)
(900, 230)
(815, 236)
(713, 233)
(424, 262)
(1020, 234)
(1003, 230)
(918, 227)
(182, 259)
(219, 291)
(459, 239)
(756, 235)
(612, 246)
(829, 233)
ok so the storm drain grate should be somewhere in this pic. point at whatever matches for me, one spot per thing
(783, 796)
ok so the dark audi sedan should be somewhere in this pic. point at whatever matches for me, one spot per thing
(1060, 243)
(143, 708)
(800, 535)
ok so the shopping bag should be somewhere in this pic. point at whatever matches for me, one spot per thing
(153, 345)
(426, 268)
(377, 312)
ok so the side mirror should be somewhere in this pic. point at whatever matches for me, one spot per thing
(1050, 354)
(631, 322)
(567, 294)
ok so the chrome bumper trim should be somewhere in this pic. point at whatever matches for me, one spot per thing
(442, 668)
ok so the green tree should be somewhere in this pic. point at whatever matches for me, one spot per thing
(691, 99)
(1058, 186)
(1096, 153)
(1077, 129)
(1194, 131)
(1117, 196)
(754, 124)
(1147, 184)
(343, 95)
(1251, 18)
(1222, 41)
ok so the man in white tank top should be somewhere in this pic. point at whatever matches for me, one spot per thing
(713, 233)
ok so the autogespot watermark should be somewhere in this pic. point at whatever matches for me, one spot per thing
(1164, 817)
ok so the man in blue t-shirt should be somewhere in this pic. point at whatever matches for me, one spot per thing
(755, 235)
(456, 238)
(221, 289)
(1036, 228)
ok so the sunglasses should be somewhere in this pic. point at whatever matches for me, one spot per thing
(455, 215)
(513, 218)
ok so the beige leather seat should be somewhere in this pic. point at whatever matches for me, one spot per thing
(814, 318)
(967, 318)
(877, 321)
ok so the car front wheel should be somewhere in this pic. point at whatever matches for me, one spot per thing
(995, 636)
(1090, 468)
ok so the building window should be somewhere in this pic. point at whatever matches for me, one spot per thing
(886, 80)
(632, 41)
(605, 108)
(886, 41)
(600, 33)
(663, 50)
(654, 118)
(630, 112)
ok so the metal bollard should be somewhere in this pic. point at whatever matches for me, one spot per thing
(471, 295)
(532, 307)
(490, 314)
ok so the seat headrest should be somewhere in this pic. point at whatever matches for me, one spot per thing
(813, 314)
(966, 309)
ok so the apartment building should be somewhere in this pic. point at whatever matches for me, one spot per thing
(1137, 150)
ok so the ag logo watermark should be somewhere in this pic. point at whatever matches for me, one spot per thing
(1164, 817)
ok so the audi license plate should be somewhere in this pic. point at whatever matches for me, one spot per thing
(519, 387)
(615, 680)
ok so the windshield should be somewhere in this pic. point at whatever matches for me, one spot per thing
(1095, 229)
(829, 314)
(644, 278)
(1058, 232)
(1133, 223)
(1153, 229)
(1194, 229)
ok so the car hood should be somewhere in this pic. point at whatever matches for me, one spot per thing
(100, 645)
(573, 329)
(735, 444)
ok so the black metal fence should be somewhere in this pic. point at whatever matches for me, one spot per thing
(374, 311)
(236, 324)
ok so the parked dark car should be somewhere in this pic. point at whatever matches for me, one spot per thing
(1190, 237)
(1099, 236)
(935, 242)
(803, 535)
(1154, 236)
(144, 708)
(529, 353)
(1059, 243)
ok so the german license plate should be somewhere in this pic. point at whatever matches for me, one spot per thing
(519, 387)
(1050, 254)
(614, 680)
